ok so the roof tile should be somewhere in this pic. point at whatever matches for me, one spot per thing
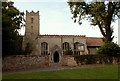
(94, 41)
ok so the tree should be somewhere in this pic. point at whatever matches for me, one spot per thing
(12, 20)
(100, 14)
(109, 48)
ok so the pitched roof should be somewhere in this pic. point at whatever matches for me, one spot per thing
(94, 41)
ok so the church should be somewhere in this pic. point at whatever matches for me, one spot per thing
(56, 45)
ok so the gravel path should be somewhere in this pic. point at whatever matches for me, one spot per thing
(54, 67)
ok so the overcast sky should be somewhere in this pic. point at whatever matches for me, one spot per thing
(55, 18)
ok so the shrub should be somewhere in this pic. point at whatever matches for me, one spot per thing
(96, 59)
(28, 50)
(68, 52)
(109, 48)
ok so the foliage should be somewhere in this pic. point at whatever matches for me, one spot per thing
(100, 14)
(12, 20)
(68, 52)
(96, 59)
(109, 48)
(28, 50)
(88, 59)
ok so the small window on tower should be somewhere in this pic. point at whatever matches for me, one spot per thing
(31, 27)
(32, 20)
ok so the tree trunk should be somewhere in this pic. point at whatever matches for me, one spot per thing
(109, 31)
(108, 36)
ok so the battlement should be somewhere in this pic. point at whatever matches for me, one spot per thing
(32, 12)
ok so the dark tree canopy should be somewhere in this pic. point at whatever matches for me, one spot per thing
(12, 20)
(101, 14)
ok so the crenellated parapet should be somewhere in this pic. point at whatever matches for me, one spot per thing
(32, 12)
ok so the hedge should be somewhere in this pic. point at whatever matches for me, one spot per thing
(97, 59)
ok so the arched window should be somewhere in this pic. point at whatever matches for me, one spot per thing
(44, 48)
(65, 47)
(31, 19)
(78, 47)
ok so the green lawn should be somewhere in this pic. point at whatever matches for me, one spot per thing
(103, 72)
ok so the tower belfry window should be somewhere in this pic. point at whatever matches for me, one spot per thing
(32, 20)
(31, 27)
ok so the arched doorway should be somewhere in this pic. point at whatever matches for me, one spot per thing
(56, 57)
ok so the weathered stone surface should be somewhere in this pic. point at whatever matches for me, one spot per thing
(71, 61)
(23, 62)
(64, 61)
(68, 61)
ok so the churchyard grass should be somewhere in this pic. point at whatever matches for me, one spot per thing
(103, 72)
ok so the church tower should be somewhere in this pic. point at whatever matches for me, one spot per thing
(32, 24)
(31, 30)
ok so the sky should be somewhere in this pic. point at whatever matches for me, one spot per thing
(55, 18)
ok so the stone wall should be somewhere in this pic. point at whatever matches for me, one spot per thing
(68, 61)
(24, 62)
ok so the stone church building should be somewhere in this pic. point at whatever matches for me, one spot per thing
(56, 45)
